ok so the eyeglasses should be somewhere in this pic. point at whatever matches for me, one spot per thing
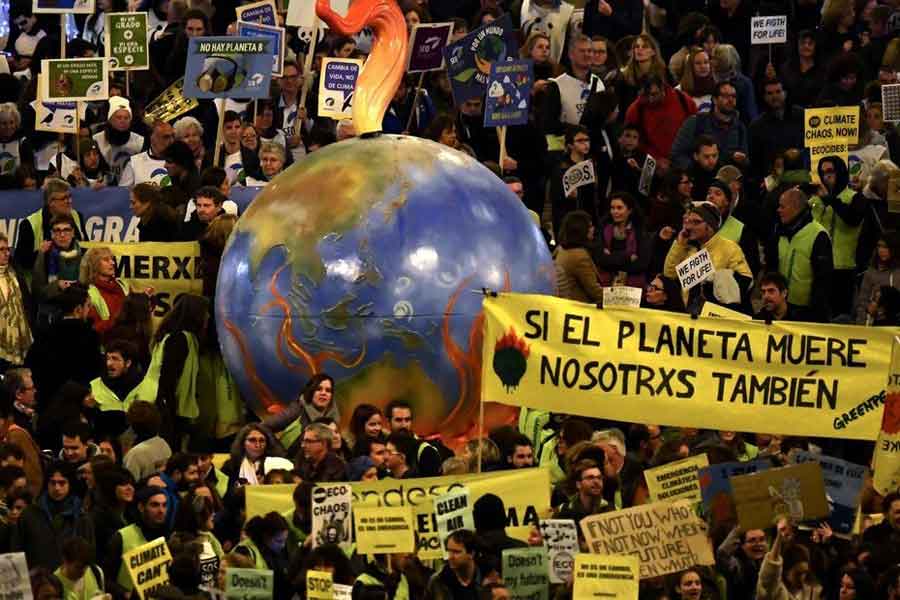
(654, 288)
(66, 198)
(309, 441)
(61, 230)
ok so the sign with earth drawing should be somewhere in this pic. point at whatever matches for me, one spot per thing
(72, 79)
(126, 41)
(469, 60)
(509, 93)
(228, 67)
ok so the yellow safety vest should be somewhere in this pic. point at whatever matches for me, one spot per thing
(258, 561)
(186, 391)
(107, 400)
(794, 262)
(36, 219)
(844, 238)
(90, 588)
(132, 537)
(402, 592)
(732, 230)
(99, 303)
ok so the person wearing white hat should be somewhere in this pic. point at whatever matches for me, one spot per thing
(117, 142)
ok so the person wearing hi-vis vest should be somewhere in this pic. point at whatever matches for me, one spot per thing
(152, 503)
(107, 293)
(175, 362)
(428, 457)
(720, 194)
(122, 384)
(801, 251)
(315, 401)
(266, 545)
(840, 210)
(35, 233)
(379, 577)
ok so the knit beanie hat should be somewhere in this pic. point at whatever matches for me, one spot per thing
(708, 212)
(723, 187)
(357, 467)
(117, 103)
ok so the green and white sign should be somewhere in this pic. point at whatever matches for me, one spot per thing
(249, 584)
(126, 41)
(75, 79)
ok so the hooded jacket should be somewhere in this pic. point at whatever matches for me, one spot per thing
(841, 213)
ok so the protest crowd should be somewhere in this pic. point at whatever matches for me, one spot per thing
(113, 432)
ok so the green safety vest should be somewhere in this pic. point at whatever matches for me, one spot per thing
(296, 535)
(291, 433)
(531, 423)
(221, 482)
(258, 561)
(107, 400)
(794, 262)
(132, 537)
(402, 592)
(99, 303)
(732, 230)
(213, 541)
(90, 588)
(186, 391)
(547, 456)
(844, 238)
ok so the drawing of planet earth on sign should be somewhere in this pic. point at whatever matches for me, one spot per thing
(361, 261)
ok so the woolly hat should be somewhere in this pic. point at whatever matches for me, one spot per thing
(148, 492)
(117, 103)
(720, 185)
(708, 212)
(729, 174)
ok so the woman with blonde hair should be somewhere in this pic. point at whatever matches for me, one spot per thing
(644, 60)
(697, 80)
(106, 292)
(190, 131)
(836, 33)
(537, 48)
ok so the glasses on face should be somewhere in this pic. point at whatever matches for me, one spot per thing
(61, 230)
(66, 198)
(256, 441)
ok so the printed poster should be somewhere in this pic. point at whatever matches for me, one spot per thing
(843, 485)
(228, 67)
(126, 41)
(509, 93)
(276, 34)
(73, 79)
(336, 87)
(426, 47)
(332, 515)
(63, 6)
(263, 12)
(469, 59)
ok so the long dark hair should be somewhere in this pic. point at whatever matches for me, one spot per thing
(190, 313)
(259, 528)
(361, 415)
(573, 232)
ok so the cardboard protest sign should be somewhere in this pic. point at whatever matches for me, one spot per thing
(126, 41)
(336, 87)
(647, 171)
(578, 175)
(695, 269)
(170, 104)
(263, 13)
(469, 59)
(509, 93)
(829, 132)
(453, 511)
(63, 6)
(342, 592)
(276, 34)
(711, 309)
(560, 537)
(148, 566)
(75, 79)
(332, 514)
(249, 584)
(679, 480)
(319, 584)
(666, 537)
(607, 577)
(426, 47)
(715, 486)
(228, 67)
(843, 484)
(526, 493)
(622, 296)
(525, 573)
(14, 579)
(796, 492)
(768, 30)
(886, 476)
(384, 529)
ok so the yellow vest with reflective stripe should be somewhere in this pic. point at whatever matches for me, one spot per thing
(844, 238)
(258, 561)
(36, 219)
(132, 537)
(794, 262)
(98, 302)
(107, 400)
(186, 391)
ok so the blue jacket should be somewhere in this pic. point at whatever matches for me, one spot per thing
(731, 139)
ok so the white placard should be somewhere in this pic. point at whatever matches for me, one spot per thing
(14, 580)
(768, 30)
(647, 172)
(342, 592)
(560, 538)
(695, 269)
(453, 511)
(622, 295)
(332, 518)
(578, 175)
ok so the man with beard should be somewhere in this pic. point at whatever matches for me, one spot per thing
(238, 160)
(775, 307)
(118, 388)
(117, 142)
(721, 123)
(150, 165)
(152, 504)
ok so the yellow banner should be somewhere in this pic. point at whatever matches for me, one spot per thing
(711, 309)
(148, 566)
(608, 577)
(886, 477)
(679, 480)
(526, 493)
(170, 268)
(384, 529)
(669, 369)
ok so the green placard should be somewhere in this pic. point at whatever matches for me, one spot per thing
(126, 41)
(73, 79)
(249, 584)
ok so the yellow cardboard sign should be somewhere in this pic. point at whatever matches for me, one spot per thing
(319, 585)
(607, 577)
(148, 566)
(666, 537)
(825, 125)
(526, 493)
(796, 492)
(384, 529)
(679, 480)
(711, 309)
(544, 353)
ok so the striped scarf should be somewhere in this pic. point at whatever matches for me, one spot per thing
(15, 335)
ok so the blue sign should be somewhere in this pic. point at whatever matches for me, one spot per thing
(843, 485)
(107, 212)
(260, 12)
(228, 67)
(469, 60)
(509, 93)
(276, 34)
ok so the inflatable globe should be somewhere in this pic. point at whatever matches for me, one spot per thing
(365, 261)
